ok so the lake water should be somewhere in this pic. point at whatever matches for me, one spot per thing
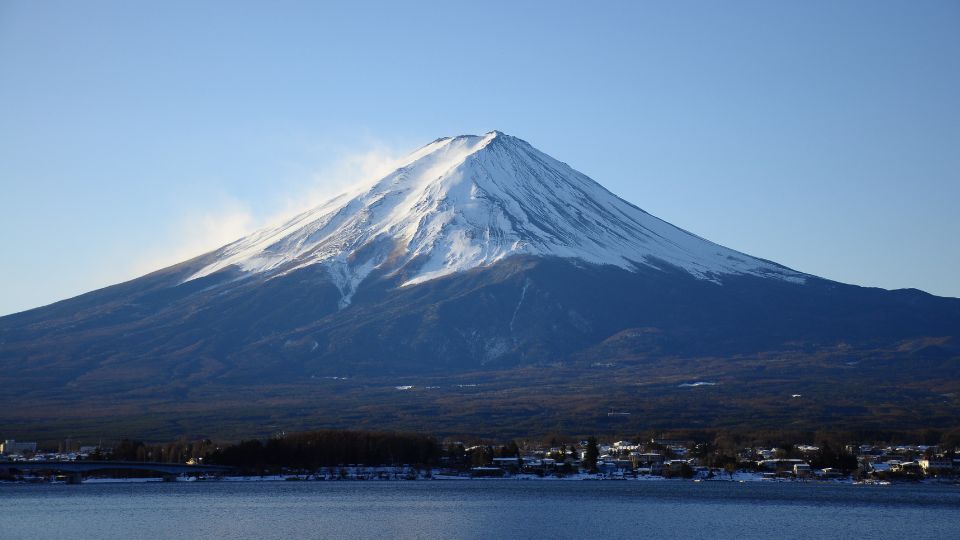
(478, 509)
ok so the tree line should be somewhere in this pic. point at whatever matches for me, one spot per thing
(329, 448)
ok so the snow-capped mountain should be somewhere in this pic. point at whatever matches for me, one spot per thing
(464, 202)
(478, 258)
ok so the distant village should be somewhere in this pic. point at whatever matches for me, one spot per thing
(687, 459)
(586, 459)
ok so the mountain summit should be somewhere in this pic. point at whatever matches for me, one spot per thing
(480, 287)
(464, 202)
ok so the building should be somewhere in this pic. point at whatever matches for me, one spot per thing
(905, 467)
(606, 467)
(936, 465)
(624, 446)
(11, 446)
(486, 472)
(646, 459)
(509, 464)
(675, 467)
(780, 465)
(830, 472)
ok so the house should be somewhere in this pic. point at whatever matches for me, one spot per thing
(780, 465)
(486, 472)
(906, 467)
(802, 470)
(675, 466)
(646, 460)
(936, 465)
(615, 467)
(830, 472)
(606, 467)
(511, 464)
(655, 469)
(863, 449)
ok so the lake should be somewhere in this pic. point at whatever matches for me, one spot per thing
(477, 509)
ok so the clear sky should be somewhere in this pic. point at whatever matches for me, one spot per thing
(821, 135)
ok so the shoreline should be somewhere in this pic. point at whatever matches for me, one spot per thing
(741, 478)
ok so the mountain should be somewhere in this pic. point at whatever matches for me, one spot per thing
(466, 202)
(478, 258)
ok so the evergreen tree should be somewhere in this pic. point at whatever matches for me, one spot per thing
(590, 458)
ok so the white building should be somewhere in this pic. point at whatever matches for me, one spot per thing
(936, 465)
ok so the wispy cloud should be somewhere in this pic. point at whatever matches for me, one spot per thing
(350, 172)
(227, 218)
(196, 232)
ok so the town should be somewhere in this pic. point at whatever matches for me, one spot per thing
(670, 458)
(332, 455)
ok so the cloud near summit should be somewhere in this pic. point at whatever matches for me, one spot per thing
(224, 218)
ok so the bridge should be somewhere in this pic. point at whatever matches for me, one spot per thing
(76, 469)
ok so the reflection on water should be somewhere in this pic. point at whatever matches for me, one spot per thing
(477, 509)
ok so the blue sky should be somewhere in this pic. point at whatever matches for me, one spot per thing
(822, 135)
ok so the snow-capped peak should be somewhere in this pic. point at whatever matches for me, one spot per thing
(463, 202)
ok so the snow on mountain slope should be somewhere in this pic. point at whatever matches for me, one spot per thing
(463, 202)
